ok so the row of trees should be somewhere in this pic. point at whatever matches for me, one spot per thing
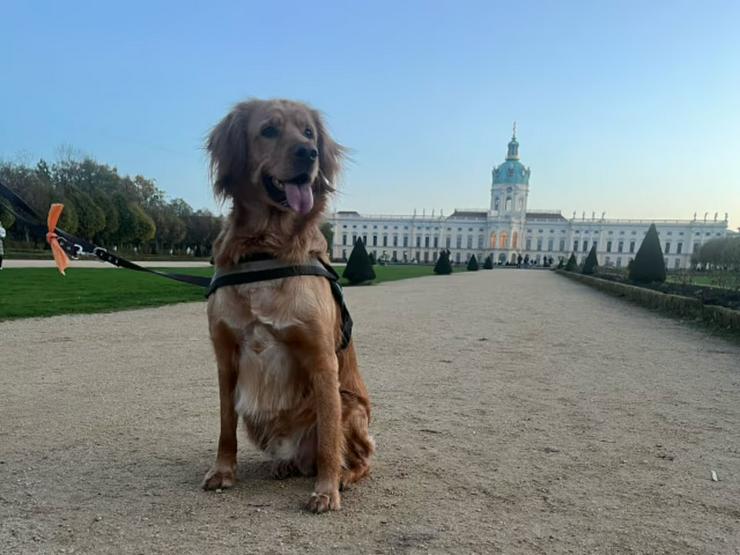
(720, 253)
(110, 209)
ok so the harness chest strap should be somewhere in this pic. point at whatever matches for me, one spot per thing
(259, 267)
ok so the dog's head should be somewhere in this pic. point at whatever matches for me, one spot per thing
(275, 152)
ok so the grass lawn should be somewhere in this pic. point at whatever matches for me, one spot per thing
(33, 292)
(723, 281)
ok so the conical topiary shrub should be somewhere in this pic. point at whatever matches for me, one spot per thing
(589, 266)
(488, 262)
(359, 269)
(473, 264)
(443, 266)
(572, 264)
(561, 264)
(648, 265)
(373, 261)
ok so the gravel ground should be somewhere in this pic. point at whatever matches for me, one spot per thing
(514, 411)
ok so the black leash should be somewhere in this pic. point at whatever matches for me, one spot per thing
(76, 247)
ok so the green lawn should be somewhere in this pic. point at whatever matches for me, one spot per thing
(725, 280)
(31, 292)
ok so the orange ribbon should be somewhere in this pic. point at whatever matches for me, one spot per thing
(60, 257)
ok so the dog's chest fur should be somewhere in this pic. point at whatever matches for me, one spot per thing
(270, 384)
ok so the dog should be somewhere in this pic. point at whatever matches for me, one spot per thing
(280, 367)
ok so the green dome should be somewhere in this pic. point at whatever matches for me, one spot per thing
(512, 171)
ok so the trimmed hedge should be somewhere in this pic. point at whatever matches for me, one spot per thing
(443, 266)
(649, 264)
(472, 264)
(359, 269)
(591, 263)
(572, 264)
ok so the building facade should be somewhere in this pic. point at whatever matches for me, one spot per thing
(509, 229)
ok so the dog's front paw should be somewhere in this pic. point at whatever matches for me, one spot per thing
(220, 476)
(320, 502)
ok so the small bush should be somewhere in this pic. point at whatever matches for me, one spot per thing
(359, 269)
(488, 262)
(591, 263)
(649, 265)
(443, 266)
(572, 264)
(473, 264)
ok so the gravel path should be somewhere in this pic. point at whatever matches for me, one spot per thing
(514, 411)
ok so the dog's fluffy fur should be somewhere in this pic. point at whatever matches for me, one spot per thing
(276, 342)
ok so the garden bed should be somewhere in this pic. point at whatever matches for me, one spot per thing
(686, 301)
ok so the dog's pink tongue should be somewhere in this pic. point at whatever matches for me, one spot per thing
(300, 197)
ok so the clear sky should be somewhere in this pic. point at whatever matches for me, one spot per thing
(632, 108)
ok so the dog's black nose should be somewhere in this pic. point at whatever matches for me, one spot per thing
(303, 152)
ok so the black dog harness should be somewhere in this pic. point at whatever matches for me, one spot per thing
(263, 267)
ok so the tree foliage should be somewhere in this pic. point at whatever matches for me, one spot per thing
(111, 209)
(719, 253)
(488, 262)
(649, 264)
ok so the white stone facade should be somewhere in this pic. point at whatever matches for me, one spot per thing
(509, 230)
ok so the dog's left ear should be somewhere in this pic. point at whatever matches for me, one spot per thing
(227, 145)
(331, 154)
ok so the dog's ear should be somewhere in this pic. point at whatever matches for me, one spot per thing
(330, 154)
(228, 145)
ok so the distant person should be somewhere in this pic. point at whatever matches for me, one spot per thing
(2, 250)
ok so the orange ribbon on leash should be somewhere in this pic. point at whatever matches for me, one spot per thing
(60, 257)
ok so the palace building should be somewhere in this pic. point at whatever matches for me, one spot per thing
(508, 229)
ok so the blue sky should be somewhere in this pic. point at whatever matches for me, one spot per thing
(632, 108)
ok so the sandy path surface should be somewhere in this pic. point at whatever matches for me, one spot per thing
(514, 411)
(95, 263)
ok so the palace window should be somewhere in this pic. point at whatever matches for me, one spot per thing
(585, 245)
(620, 246)
(344, 239)
(679, 248)
(550, 244)
(470, 241)
(426, 241)
(375, 240)
(447, 242)
(385, 240)
(458, 242)
(528, 244)
(562, 245)
(539, 244)
(418, 241)
(667, 248)
(575, 245)
(608, 246)
(632, 247)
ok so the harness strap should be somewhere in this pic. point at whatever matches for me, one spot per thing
(245, 275)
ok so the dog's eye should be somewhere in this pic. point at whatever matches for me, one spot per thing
(308, 132)
(270, 132)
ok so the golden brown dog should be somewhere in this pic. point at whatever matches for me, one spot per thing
(277, 342)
